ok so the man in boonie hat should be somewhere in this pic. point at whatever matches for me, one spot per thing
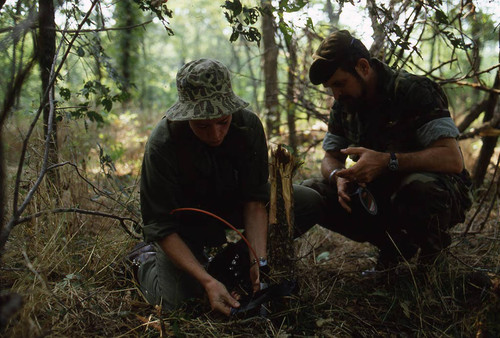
(208, 152)
(398, 128)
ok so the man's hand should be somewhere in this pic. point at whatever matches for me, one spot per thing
(370, 165)
(343, 191)
(219, 297)
(255, 277)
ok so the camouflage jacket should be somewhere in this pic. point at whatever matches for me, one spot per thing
(411, 114)
(179, 171)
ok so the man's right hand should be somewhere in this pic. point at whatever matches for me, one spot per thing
(219, 297)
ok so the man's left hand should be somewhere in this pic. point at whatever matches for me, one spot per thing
(369, 165)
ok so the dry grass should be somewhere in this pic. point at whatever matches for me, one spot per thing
(69, 269)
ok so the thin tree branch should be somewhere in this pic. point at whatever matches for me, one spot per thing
(14, 89)
(94, 187)
(43, 170)
(473, 114)
(483, 199)
(71, 31)
(487, 129)
(122, 220)
(473, 85)
(7, 228)
(104, 29)
(30, 266)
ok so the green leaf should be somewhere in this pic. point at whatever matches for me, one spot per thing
(107, 104)
(94, 116)
(309, 24)
(234, 6)
(287, 31)
(441, 17)
(292, 6)
(65, 93)
(234, 36)
(80, 52)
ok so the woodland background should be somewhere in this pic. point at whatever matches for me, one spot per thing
(82, 84)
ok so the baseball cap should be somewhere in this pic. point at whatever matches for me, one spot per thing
(331, 53)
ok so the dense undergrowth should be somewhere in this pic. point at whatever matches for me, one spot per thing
(70, 270)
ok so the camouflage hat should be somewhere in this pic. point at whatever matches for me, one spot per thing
(331, 53)
(204, 89)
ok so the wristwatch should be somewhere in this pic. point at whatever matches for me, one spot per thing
(393, 163)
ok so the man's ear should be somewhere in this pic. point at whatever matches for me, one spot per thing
(363, 67)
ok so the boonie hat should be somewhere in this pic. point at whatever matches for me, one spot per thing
(331, 53)
(204, 90)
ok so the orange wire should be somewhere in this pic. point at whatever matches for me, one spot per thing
(223, 221)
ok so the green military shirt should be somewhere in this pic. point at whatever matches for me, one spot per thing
(411, 114)
(181, 171)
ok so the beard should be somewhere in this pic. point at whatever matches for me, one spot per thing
(352, 103)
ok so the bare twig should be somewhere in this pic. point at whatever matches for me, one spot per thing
(96, 189)
(7, 228)
(487, 129)
(95, 30)
(71, 31)
(473, 85)
(469, 225)
(84, 212)
(30, 266)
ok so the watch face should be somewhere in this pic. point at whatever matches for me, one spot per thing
(393, 162)
(393, 165)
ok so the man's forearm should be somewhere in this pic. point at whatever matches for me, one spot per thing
(442, 156)
(182, 256)
(331, 161)
(255, 220)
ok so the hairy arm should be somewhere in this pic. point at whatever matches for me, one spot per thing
(255, 220)
(332, 160)
(442, 156)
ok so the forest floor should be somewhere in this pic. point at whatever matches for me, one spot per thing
(69, 269)
(73, 284)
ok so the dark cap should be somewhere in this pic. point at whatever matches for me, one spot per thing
(331, 53)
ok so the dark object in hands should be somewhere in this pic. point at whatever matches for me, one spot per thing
(363, 200)
(231, 267)
(254, 304)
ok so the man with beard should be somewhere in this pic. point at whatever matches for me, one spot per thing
(397, 128)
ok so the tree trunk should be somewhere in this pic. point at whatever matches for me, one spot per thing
(255, 82)
(46, 55)
(290, 96)
(476, 32)
(281, 216)
(333, 16)
(489, 142)
(377, 47)
(472, 115)
(270, 59)
(2, 184)
(127, 14)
